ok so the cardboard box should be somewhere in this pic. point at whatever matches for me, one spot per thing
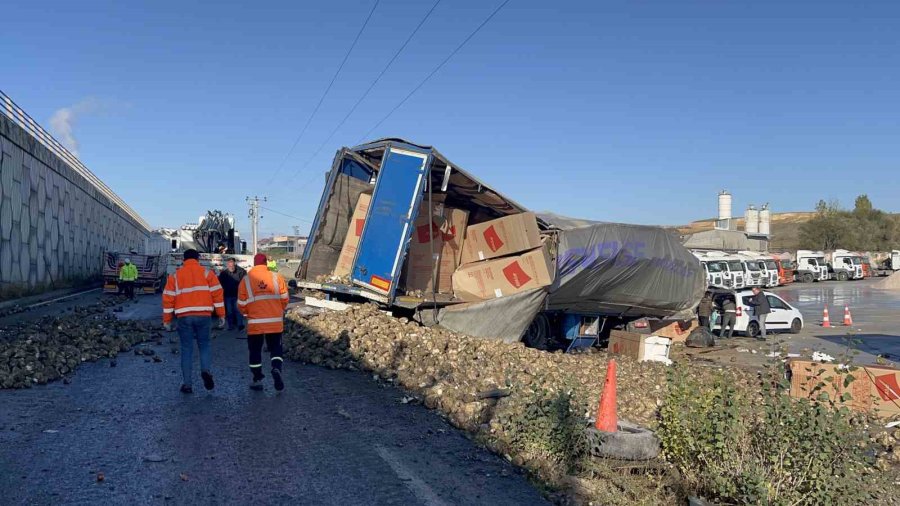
(501, 237)
(874, 388)
(351, 241)
(504, 276)
(447, 229)
(677, 331)
(640, 347)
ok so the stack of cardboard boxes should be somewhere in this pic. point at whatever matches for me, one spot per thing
(473, 262)
(502, 257)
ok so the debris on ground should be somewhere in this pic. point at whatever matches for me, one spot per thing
(47, 349)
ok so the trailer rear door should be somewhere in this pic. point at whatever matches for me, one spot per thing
(386, 232)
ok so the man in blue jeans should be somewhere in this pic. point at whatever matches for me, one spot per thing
(192, 295)
(230, 278)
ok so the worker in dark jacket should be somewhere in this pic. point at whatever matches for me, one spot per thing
(729, 316)
(761, 307)
(705, 309)
(230, 278)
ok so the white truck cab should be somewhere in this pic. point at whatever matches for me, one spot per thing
(811, 266)
(895, 260)
(768, 269)
(722, 270)
(844, 265)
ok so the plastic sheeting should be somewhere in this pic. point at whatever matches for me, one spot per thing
(625, 270)
(504, 318)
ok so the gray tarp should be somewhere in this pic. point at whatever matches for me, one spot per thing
(628, 270)
(504, 318)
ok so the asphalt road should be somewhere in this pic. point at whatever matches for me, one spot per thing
(876, 327)
(332, 437)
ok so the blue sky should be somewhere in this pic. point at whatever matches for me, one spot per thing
(612, 110)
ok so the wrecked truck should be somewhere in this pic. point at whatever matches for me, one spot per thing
(392, 227)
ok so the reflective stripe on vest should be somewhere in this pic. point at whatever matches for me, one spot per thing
(251, 298)
(251, 321)
(193, 309)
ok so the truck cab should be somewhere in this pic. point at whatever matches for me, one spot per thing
(722, 269)
(714, 273)
(811, 266)
(844, 265)
(767, 272)
(785, 270)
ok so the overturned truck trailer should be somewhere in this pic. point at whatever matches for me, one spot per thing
(393, 223)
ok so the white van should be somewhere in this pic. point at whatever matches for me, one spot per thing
(783, 317)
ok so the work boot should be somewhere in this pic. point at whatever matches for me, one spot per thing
(257, 382)
(276, 377)
(187, 389)
(208, 382)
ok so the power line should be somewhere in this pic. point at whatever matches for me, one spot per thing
(285, 214)
(369, 89)
(433, 72)
(322, 98)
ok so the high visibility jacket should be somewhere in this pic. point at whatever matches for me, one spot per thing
(192, 291)
(272, 265)
(128, 272)
(262, 298)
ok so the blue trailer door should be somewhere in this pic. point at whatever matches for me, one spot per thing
(386, 232)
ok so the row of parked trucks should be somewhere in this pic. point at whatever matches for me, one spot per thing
(748, 269)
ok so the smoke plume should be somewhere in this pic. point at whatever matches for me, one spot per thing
(63, 121)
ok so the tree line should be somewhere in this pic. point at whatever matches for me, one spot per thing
(863, 228)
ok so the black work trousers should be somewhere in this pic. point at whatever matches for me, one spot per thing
(255, 344)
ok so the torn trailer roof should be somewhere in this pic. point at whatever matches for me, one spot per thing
(398, 178)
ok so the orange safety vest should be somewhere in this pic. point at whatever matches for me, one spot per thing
(192, 291)
(262, 298)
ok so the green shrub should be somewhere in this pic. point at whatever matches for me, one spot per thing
(763, 447)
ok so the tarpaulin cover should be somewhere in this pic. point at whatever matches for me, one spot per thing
(503, 318)
(627, 270)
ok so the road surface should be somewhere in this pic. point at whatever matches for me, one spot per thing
(333, 437)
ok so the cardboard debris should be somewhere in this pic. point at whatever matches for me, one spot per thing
(677, 331)
(501, 237)
(640, 346)
(351, 242)
(874, 388)
(447, 229)
(505, 276)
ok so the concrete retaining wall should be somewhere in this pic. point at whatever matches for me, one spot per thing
(54, 223)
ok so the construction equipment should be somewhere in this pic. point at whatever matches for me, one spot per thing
(213, 236)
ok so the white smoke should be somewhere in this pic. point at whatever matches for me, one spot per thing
(63, 121)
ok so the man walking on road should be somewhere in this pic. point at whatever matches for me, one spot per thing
(762, 309)
(262, 298)
(230, 278)
(192, 294)
(729, 317)
(128, 274)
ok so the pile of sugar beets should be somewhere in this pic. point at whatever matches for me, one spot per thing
(50, 348)
(480, 385)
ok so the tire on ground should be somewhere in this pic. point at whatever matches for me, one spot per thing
(630, 442)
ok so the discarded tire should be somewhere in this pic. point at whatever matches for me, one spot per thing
(630, 442)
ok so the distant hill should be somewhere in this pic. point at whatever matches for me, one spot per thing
(785, 229)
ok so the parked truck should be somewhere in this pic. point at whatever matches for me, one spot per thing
(390, 209)
(811, 266)
(767, 274)
(213, 236)
(785, 268)
(151, 271)
(844, 265)
(730, 271)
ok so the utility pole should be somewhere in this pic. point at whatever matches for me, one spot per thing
(254, 222)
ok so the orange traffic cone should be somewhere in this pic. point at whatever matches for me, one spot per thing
(826, 323)
(607, 421)
(848, 320)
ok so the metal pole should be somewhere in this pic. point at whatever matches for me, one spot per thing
(254, 222)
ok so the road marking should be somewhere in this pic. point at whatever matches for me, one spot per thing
(418, 487)
(51, 301)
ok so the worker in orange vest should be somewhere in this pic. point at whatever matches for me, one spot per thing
(192, 295)
(262, 298)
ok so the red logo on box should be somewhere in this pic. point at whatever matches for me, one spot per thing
(515, 275)
(359, 226)
(887, 387)
(422, 233)
(492, 238)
